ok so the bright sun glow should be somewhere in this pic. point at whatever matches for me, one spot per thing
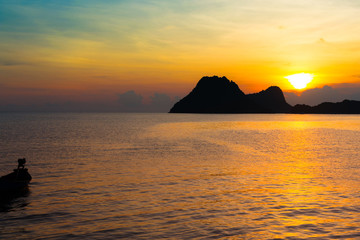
(300, 80)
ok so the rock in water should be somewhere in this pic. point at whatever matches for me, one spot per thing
(219, 95)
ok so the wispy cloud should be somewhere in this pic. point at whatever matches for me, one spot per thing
(9, 63)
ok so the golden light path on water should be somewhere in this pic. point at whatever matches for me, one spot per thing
(181, 176)
(282, 174)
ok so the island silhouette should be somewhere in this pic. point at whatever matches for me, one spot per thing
(220, 95)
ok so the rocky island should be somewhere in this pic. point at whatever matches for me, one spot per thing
(220, 95)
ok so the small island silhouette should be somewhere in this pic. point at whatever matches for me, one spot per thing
(220, 95)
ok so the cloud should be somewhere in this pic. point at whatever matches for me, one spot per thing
(325, 94)
(316, 96)
(9, 63)
(130, 102)
(160, 102)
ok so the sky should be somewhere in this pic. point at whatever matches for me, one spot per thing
(137, 55)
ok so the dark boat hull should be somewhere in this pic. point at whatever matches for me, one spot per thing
(13, 186)
(15, 181)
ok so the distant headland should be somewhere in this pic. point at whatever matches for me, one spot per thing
(219, 95)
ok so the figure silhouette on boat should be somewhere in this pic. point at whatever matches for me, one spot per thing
(17, 180)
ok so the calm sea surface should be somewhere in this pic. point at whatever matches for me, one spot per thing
(179, 176)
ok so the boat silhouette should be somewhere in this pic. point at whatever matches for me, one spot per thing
(17, 180)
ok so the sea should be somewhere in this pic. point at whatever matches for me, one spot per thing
(182, 176)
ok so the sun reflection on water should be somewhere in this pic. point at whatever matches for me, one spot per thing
(188, 176)
(279, 176)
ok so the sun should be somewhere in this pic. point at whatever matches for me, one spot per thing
(300, 80)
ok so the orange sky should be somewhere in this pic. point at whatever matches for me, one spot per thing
(92, 51)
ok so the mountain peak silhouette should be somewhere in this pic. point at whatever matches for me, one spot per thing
(271, 99)
(216, 85)
(212, 95)
(220, 95)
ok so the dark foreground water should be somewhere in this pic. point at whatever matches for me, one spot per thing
(152, 176)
